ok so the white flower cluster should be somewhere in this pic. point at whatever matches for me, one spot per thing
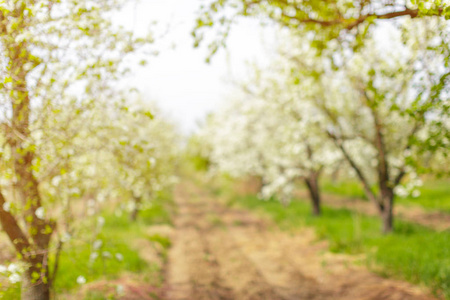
(410, 188)
(13, 272)
(381, 111)
(274, 134)
(81, 280)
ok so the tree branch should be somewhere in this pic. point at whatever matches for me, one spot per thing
(12, 229)
(349, 24)
(370, 194)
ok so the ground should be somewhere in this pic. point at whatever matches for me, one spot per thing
(220, 252)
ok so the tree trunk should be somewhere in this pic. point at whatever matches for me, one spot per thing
(12, 229)
(136, 208)
(35, 289)
(39, 289)
(387, 215)
(312, 183)
(388, 222)
(31, 242)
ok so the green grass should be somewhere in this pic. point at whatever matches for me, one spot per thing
(11, 293)
(413, 253)
(116, 235)
(349, 188)
(434, 194)
(157, 214)
(75, 260)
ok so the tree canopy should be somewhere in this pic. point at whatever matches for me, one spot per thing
(347, 21)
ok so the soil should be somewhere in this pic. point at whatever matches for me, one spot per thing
(220, 252)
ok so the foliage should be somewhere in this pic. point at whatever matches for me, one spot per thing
(63, 122)
(387, 111)
(197, 153)
(145, 155)
(384, 111)
(270, 132)
(347, 22)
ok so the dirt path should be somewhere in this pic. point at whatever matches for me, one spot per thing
(224, 253)
(414, 214)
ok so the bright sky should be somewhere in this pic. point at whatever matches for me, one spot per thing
(178, 79)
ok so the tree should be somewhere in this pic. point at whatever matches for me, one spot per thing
(53, 52)
(385, 110)
(275, 134)
(348, 20)
(145, 152)
(387, 107)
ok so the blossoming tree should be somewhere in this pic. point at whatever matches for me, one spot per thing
(387, 107)
(274, 133)
(57, 56)
(347, 21)
(145, 153)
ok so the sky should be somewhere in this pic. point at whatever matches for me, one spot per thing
(178, 78)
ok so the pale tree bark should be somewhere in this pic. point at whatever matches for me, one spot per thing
(36, 284)
(31, 242)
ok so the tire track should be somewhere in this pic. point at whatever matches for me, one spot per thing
(225, 253)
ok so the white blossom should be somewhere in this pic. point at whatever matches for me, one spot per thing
(13, 268)
(120, 290)
(400, 191)
(100, 221)
(14, 278)
(40, 213)
(56, 180)
(97, 244)
(93, 256)
(415, 193)
(81, 280)
(119, 256)
(65, 237)
(7, 206)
